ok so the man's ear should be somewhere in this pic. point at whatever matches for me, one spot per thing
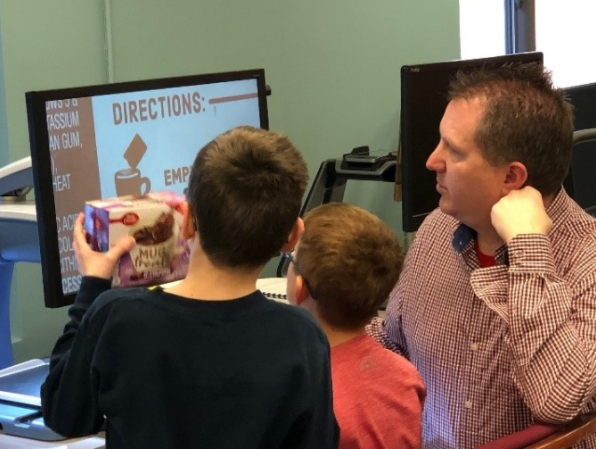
(188, 222)
(301, 292)
(515, 177)
(295, 234)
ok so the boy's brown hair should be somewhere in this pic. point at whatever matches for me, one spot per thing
(245, 191)
(351, 260)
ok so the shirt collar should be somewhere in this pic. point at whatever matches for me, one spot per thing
(463, 243)
(462, 237)
(559, 208)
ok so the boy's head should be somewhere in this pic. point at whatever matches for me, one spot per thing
(244, 193)
(347, 261)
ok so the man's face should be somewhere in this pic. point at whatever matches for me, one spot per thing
(468, 184)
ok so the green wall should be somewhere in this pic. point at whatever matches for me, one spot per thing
(44, 45)
(333, 67)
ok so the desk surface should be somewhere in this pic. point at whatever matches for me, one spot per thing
(23, 211)
(94, 442)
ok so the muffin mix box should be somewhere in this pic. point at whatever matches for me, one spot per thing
(154, 220)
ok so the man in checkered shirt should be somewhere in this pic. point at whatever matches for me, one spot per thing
(496, 306)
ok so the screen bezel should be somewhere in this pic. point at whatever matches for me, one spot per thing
(583, 99)
(584, 109)
(41, 161)
(412, 216)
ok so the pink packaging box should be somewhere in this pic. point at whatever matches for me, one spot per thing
(161, 254)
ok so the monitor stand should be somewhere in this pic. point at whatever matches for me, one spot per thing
(20, 404)
(19, 241)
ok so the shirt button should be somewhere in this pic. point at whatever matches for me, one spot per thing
(474, 346)
(468, 404)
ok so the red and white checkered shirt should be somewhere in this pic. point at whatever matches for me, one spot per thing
(498, 348)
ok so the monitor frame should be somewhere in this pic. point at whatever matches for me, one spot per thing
(583, 99)
(41, 160)
(418, 185)
(577, 183)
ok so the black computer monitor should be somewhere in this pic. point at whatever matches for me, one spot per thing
(580, 183)
(423, 100)
(583, 99)
(97, 141)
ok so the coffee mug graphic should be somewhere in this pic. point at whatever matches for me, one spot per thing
(130, 182)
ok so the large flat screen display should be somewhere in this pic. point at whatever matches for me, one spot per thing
(580, 183)
(124, 138)
(423, 101)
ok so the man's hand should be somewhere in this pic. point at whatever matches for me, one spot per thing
(93, 263)
(520, 212)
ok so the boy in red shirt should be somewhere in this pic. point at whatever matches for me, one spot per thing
(345, 266)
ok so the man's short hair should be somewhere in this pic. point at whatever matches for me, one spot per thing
(351, 260)
(526, 119)
(245, 192)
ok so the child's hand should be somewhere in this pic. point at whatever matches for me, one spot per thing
(93, 263)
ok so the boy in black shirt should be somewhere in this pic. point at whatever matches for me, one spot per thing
(208, 363)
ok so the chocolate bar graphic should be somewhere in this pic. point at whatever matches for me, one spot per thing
(135, 151)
